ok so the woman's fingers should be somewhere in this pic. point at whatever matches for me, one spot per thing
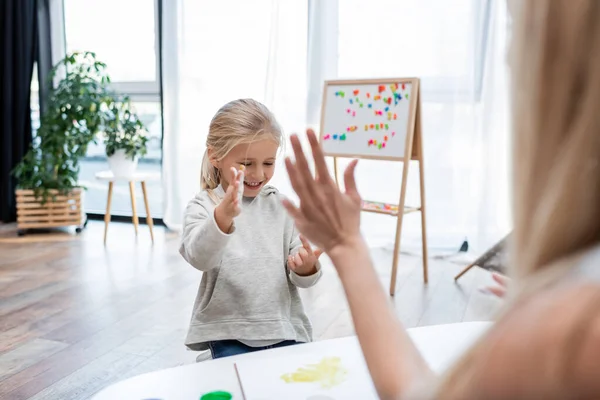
(292, 210)
(303, 173)
(499, 291)
(500, 279)
(317, 152)
(300, 160)
(295, 179)
(349, 181)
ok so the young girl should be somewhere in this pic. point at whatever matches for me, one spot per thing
(248, 248)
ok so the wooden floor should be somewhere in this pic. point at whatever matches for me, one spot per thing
(76, 316)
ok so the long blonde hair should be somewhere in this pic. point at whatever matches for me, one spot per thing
(555, 58)
(237, 122)
(555, 63)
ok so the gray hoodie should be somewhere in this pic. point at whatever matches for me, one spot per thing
(247, 293)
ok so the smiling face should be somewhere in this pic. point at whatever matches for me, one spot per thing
(257, 157)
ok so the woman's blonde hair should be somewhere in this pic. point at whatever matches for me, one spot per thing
(237, 122)
(555, 59)
(555, 62)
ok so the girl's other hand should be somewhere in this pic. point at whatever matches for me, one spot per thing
(304, 263)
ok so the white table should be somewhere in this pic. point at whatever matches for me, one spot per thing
(136, 177)
(440, 345)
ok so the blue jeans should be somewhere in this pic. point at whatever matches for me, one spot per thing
(227, 348)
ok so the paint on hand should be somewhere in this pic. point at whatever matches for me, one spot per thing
(329, 372)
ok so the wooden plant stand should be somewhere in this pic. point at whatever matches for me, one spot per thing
(58, 211)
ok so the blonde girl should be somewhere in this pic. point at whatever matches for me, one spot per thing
(252, 257)
(546, 344)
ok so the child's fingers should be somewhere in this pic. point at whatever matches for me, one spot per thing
(233, 183)
(235, 186)
(305, 243)
(318, 253)
(302, 256)
(291, 263)
(229, 193)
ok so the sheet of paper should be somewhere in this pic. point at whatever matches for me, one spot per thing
(327, 375)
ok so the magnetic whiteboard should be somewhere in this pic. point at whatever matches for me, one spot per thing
(369, 119)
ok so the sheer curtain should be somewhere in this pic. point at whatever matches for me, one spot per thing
(215, 52)
(457, 49)
(280, 52)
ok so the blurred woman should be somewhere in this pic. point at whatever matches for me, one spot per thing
(546, 343)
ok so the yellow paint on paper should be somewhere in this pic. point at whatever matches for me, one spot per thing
(328, 372)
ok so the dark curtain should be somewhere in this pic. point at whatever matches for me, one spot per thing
(18, 50)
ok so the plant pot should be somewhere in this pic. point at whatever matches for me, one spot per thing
(60, 210)
(121, 165)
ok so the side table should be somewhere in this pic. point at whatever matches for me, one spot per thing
(131, 180)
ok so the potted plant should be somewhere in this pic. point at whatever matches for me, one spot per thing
(48, 193)
(125, 138)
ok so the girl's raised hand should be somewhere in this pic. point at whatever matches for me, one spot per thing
(325, 216)
(229, 207)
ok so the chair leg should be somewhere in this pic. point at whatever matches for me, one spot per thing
(107, 215)
(464, 271)
(148, 216)
(134, 216)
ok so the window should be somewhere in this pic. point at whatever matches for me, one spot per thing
(443, 42)
(124, 35)
(34, 102)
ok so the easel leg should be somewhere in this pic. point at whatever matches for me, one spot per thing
(418, 151)
(134, 216)
(335, 171)
(399, 229)
(464, 271)
(107, 215)
(148, 216)
(423, 223)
